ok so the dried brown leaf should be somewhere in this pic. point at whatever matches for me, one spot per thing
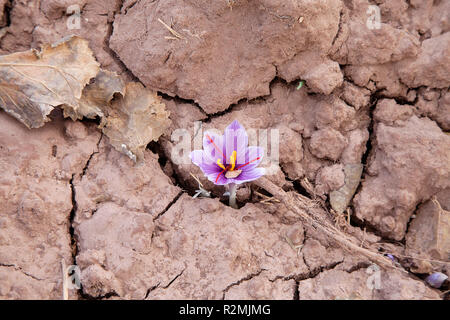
(97, 96)
(135, 119)
(32, 83)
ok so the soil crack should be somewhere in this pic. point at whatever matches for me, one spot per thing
(102, 297)
(158, 286)
(71, 219)
(174, 200)
(358, 266)
(174, 279)
(17, 268)
(86, 167)
(339, 27)
(247, 278)
(150, 290)
(73, 212)
(107, 39)
(308, 275)
(315, 272)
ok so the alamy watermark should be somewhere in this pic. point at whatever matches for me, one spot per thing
(374, 280)
(73, 277)
(374, 19)
(74, 19)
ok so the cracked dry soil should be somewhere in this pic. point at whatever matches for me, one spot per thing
(373, 100)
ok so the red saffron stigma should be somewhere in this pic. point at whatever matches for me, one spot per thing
(248, 163)
(218, 176)
(215, 146)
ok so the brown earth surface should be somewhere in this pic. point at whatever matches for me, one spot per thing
(365, 140)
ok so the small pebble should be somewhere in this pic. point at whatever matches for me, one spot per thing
(390, 256)
(436, 279)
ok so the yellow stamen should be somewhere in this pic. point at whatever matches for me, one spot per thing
(233, 160)
(219, 163)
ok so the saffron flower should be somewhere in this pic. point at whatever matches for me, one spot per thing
(228, 160)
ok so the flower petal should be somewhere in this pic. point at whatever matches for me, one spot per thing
(235, 125)
(218, 181)
(250, 159)
(249, 175)
(214, 147)
(235, 139)
(200, 159)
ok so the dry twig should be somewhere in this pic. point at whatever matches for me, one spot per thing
(171, 30)
(310, 213)
(266, 199)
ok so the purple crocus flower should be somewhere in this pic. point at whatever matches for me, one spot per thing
(228, 159)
